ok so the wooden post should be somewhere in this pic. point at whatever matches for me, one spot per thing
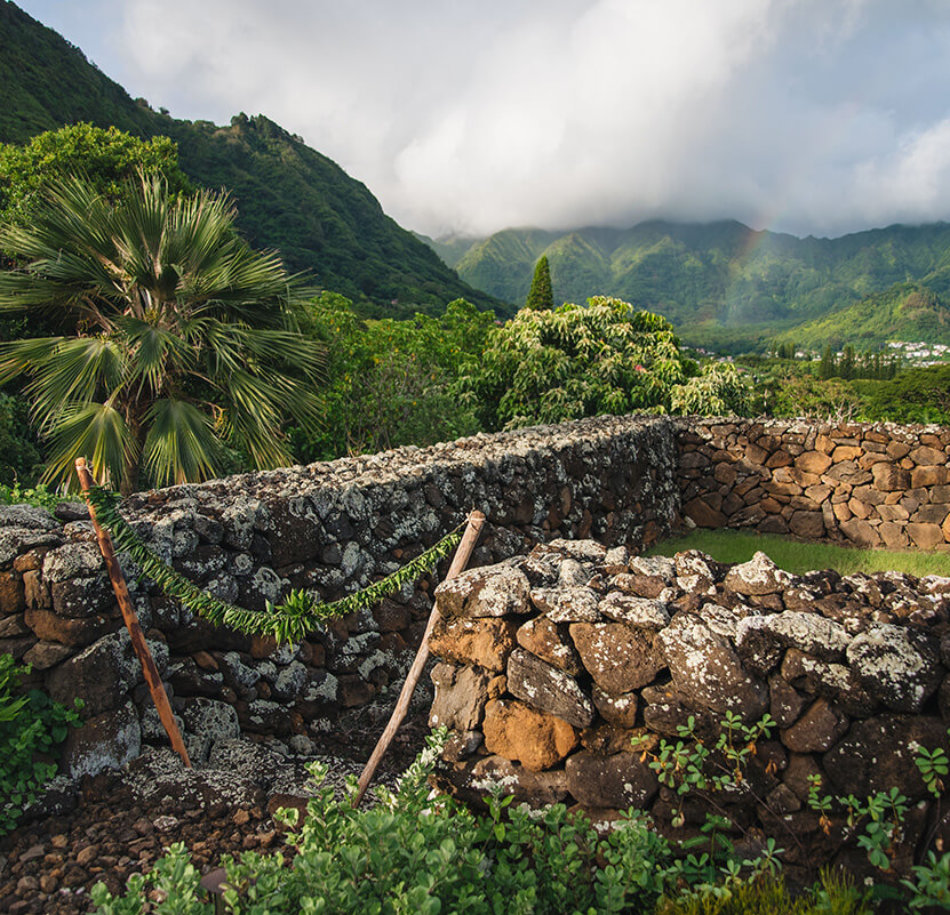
(476, 521)
(139, 645)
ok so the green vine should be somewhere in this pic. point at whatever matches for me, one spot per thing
(300, 613)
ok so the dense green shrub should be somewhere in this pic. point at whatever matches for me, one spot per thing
(390, 383)
(31, 726)
(548, 366)
(19, 456)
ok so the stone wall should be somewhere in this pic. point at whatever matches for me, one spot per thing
(332, 527)
(552, 662)
(872, 485)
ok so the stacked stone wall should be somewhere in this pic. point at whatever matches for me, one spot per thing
(554, 662)
(331, 527)
(871, 485)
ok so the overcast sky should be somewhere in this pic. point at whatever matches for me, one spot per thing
(807, 116)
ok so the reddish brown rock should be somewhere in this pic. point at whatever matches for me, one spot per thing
(925, 536)
(860, 532)
(702, 514)
(76, 633)
(890, 478)
(619, 658)
(486, 642)
(813, 462)
(545, 640)
(808, 524)
(620, 781)
(817, 730)
(927, 456)
(929, 476)
(519, 733)
(618, 710)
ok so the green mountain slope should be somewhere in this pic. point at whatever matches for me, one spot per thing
(722, 282)
(905, 311)
(289, 196)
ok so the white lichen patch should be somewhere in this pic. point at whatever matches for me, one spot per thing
(898, 669)
(809, 632)
(639, 612)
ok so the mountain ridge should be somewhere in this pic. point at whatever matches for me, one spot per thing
(289, 197)
(718, 277)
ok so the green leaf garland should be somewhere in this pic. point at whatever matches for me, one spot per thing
(301, 612)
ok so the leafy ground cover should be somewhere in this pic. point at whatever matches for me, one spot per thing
(799, 557)
(415, 852)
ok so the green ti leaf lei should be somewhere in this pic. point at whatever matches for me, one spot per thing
(301, 612)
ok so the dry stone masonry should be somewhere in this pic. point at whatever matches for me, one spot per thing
(335, 527)
(553, 661)
(332, 527)
(874, 486)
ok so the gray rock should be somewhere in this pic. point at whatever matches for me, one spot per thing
(498, 590)
(106, 741)
(619, 781)
(461, 692)
(639, 612)
(548, 689)
(758, 576)
(569, 604)
(897, 665)
(707, 671)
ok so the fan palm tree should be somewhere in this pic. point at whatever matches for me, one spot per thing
(176, 336)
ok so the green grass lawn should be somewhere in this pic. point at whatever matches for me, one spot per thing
(798, 557)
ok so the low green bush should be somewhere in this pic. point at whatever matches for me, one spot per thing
(31, 726)
(418, 853)
(37, 495)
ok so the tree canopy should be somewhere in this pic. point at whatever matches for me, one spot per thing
(174, 337)
(107, 158)
(583, 360)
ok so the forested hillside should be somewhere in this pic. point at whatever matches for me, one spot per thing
(289, 196)
(723, 281)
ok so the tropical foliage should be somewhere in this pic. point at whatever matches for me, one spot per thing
(107, 158)
(391, 383)
(174, 337)
(583, 360)
(31, 725)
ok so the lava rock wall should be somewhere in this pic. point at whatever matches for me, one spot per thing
(332, 527)
(876, 485)
(552, 663)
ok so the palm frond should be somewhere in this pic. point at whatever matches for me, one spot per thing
(97, 430)
(181, 444)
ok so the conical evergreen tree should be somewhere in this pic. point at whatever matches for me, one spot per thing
(827, 367)
(541, 295)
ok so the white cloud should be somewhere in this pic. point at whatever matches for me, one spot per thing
(807, 115)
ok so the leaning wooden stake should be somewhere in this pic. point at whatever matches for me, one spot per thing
(152, 677)
(476, 521)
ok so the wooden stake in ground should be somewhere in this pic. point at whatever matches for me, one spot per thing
(476, 521)
(152, 677)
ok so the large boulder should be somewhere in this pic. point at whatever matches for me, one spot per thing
(707, 671)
